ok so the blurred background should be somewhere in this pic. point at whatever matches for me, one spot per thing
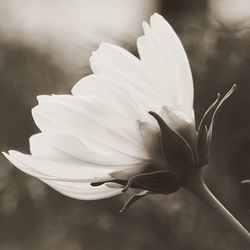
(44, 49)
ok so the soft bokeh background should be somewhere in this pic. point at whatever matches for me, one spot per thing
(44, 48)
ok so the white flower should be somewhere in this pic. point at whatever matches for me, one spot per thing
(103, 134)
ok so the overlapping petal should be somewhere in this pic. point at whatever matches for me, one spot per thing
(163, 74)
(87, 118)
(168, 58)
(94, 134)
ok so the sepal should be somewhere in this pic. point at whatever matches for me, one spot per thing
(202, 144)
(205, 129)
(177, 151)
(133, 199)
(160, 182)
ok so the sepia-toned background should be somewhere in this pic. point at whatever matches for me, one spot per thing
(44, 49)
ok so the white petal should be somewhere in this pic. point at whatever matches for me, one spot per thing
(101, 113)
(121, 97)
(118, 63)
(82, 121)
(111, 93)
(150, 133)
(70, 179)
(57, 146)
(162, 54)
(83, 190)
(160, 70)
(70, 169)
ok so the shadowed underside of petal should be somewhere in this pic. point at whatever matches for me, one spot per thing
(151, 137)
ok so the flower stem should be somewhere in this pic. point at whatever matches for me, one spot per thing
(195, 184)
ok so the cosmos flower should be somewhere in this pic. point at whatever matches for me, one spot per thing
(130, 124)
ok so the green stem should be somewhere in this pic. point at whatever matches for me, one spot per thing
(195, 184)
